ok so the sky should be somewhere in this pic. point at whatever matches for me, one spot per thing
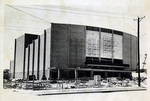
(34, 18)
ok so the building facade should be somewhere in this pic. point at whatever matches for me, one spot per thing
(67, 51)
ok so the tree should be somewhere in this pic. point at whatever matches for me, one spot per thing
(6, 75)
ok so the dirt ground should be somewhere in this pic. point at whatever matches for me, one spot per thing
(25, 95)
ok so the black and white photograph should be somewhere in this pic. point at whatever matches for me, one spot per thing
(75, 51)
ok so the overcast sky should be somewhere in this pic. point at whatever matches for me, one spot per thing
(112, 14)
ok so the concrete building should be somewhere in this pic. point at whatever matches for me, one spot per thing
(67, 51)
(11, 68)
(21, 44)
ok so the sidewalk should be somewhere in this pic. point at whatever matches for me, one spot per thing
(85, 90)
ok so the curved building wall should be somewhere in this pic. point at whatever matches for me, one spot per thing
(77, 42)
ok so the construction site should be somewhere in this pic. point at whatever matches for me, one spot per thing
(71, 56)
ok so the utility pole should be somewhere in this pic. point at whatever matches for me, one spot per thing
(138, 36)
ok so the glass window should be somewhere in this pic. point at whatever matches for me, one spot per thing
(110, 45)
(117, 46)
(106, 45)
(92, 43)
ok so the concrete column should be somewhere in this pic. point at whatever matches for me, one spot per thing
(44, 57)
(33, 62)
(112, 46)
(106, 74)
(99, 44)
(14, 59)
(58, 73)
(28, 62)
(24, 60)
(119, 75)
(92, 73)
(76, 74)
(33, 58)
(84, 73)
(38, 63)
(49, 74)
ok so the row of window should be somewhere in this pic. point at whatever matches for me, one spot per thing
(104, 44)
(103, 30)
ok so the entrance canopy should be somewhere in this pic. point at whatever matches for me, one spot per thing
(89, 69)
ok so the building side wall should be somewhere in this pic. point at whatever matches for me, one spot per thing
(26, 62)
(11, 68)
(130, 50)
(31, 59)
(134, 52)
(41, 63)
(36, 58)
(59, 46)
(20, 45)
(126, 49)
(77, 46)
(48, 51)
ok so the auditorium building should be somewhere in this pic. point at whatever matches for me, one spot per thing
(67, 51)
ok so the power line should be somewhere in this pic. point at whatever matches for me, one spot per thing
(17, 28)
(25, 31)
(29, 14)
(81, 9)
(50, 10)
(22, 27)
(23, 19)
(87, 13)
